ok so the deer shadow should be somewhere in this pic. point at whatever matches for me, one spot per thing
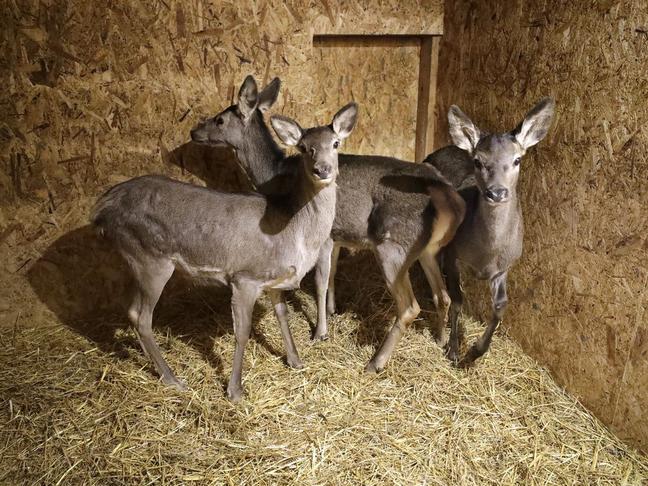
(88, 285)
(364, 294)
(217, 167)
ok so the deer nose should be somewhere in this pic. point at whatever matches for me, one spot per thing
(497, 194)
(322, 172)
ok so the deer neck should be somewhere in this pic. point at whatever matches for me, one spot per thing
(313, 205)
(311, 195)
(259, 154)
(501, 222)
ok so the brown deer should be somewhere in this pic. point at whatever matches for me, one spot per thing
(399, 210)
(485, 167)
(248, 242)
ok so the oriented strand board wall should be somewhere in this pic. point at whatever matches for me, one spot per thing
(580, 293)
(96, 92)
(384, 80)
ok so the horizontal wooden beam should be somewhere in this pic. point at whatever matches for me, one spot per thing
(353, 40)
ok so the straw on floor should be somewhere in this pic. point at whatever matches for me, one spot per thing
(81, 404)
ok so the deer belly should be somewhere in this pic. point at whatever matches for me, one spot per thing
(291, 266)
(203, 273)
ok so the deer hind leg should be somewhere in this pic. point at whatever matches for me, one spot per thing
(453, 279)
(322, 281)
(244, 295)
(430, 266)
(500, 301)
(450, 210)
(395, 265)
(281, 311)
(151, 276)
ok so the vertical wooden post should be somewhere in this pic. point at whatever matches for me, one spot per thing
(428, 65)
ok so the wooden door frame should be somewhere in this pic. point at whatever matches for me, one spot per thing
(427, 79)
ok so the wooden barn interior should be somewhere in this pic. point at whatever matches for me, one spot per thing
(96, 92)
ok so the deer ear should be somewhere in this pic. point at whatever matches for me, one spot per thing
(248, 96)
(345, 119)
(268, 96)
(463, 131)
(286, 129)
(536, 123)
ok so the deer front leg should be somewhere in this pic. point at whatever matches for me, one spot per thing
(281, 311)
(500, 301)
(453, 279)
(244, 295)
(330, 294)
(322, 278)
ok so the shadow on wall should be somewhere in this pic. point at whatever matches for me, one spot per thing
(87, 284)
(80, 277)
(217, 167)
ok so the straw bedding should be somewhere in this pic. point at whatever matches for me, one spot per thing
(81, 404)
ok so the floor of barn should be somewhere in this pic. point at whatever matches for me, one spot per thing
(81, 404)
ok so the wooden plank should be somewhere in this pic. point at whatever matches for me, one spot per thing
(432, 101)
(425, 117)
(352, 40)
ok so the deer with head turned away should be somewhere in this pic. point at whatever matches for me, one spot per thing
(485, 167)
(399, 210)
(248, 242)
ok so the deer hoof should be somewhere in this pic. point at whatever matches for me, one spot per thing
(441, 337)
(295, 363)
(372, 369)
(235, 395)
(471, 356)
(465, 363)
(320, 337)
(453, 356)
(172, 381)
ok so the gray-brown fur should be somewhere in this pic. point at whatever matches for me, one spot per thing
(383, 204)
(249, 242)
(486, 168)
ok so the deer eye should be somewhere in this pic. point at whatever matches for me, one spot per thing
(219, 120)
(336, 144)
(516, 162)
(478, 164)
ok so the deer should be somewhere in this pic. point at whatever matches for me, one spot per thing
(246, 241)
(485, 168)
(399, 210)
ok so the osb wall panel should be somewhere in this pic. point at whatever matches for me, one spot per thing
(384, 81)
(96, 92)
(578, 297)
(422, 17)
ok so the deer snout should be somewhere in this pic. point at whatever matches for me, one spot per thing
(322, 172)
(496, 194)
(198, 134)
